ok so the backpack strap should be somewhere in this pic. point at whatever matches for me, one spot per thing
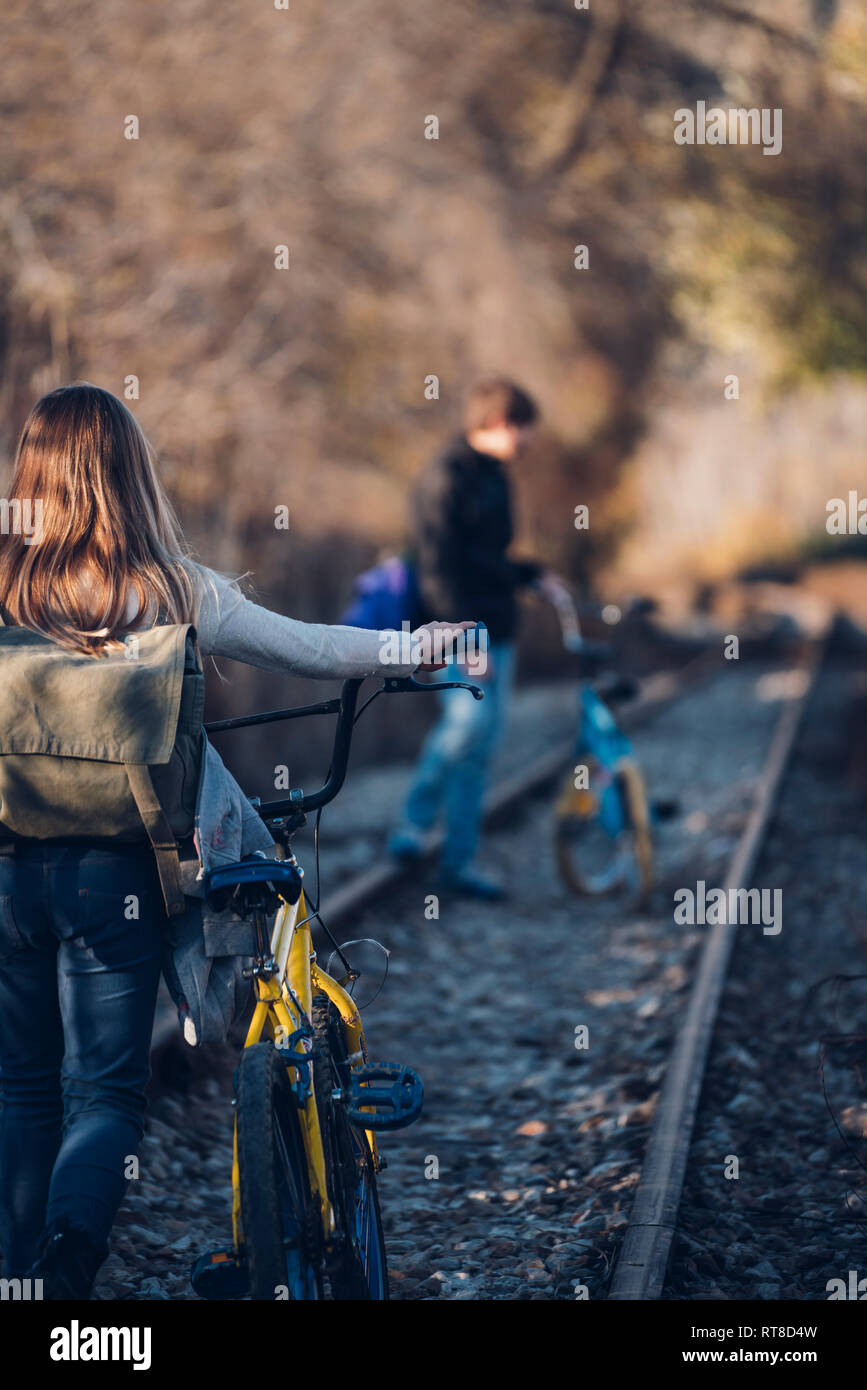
(163, 842)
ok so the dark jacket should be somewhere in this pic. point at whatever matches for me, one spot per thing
(462, 528)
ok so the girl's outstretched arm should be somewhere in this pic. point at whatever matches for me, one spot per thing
(232, 625)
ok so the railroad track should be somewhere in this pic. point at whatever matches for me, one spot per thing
(640, 1270)
(540, 1148)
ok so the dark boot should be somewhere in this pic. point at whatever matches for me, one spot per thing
(67, 1262)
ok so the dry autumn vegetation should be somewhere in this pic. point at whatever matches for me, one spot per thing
(305, 387)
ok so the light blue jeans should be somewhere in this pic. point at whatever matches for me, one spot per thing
(453, 766)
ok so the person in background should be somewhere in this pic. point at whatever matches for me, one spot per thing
(461, 530)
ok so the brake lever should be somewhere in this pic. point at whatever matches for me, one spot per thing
(410, 686)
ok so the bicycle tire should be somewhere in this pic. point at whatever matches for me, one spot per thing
(592, 863)
(357, 1267)
(279, 1219)
(638, 809)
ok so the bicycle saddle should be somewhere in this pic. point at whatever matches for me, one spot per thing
(252, 884)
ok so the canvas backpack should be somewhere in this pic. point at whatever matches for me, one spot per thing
(107, 747)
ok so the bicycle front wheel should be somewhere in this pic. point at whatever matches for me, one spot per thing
(592, 861)
(279, 1220)
(357, 1268)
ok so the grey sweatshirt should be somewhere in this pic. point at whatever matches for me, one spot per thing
(231, 625)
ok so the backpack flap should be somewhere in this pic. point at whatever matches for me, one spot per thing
(103, 747)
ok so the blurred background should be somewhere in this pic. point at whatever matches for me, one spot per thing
(411, 257)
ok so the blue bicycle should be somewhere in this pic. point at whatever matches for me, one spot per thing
(603, 837)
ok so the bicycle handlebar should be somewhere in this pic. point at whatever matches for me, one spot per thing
(297, 803)
(572, 637)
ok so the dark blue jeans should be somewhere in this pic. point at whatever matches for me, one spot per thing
(80, 933)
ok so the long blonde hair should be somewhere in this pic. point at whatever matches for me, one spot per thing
(106, 528)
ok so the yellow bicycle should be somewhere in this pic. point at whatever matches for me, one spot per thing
(308, 1104)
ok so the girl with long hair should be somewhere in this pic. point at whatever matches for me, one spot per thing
(78, 982)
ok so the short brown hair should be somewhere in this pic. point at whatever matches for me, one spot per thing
(494, 400)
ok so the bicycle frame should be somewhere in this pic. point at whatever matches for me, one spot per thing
(288, 976)
(282, 1008)
(619, 797)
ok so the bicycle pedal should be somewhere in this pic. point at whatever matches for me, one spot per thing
(219, 1274)
(385, 1095)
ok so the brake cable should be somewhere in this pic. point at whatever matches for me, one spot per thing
(369, 701)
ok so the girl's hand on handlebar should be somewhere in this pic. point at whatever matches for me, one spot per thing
(438, 643)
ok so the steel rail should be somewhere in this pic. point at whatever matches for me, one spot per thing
(639, 1273)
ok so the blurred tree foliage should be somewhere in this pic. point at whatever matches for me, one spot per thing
(410, 257)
